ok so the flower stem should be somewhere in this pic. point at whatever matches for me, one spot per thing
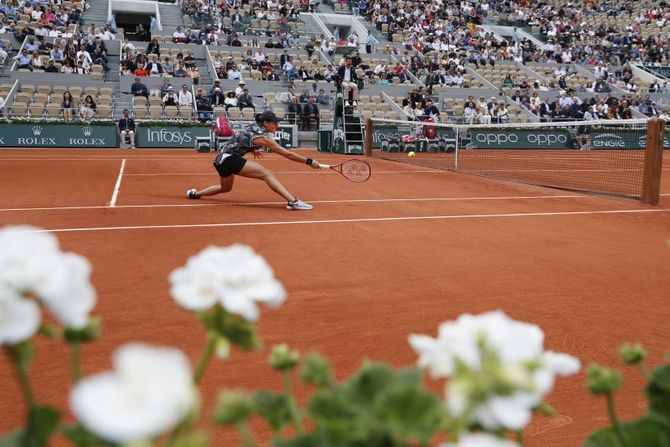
(519, 438)
(645, 371)
(21, 377)
(288, 391)
(75, 361)
(205, 357)
(611, 411)
(245, 434)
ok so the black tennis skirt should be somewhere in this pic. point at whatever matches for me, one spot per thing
(230, 165)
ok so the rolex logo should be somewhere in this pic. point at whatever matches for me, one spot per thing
(37, 130)
(87, 131)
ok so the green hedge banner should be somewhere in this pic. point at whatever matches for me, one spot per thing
(41, 135)
(520, 139)
(623, 139)
(381, 132)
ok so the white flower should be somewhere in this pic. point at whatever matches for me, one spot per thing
(481, 440)
(149, 391)
(508, 353)
(19, 317)
(31, 263)
(67, 290)
(236, 277)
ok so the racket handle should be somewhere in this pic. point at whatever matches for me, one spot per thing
(324, 166)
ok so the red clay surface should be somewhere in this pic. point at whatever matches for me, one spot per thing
(369, 265)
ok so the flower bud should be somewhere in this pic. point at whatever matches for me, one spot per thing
(632, 354)
(601, 380)
(283, 359)
(233, 407)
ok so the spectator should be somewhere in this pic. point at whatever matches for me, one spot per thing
(180, 71)
(154, 67)
(154, 47)
(245, 100)
(87, 108)
(127, 128)
(409, 112)
(139, 89)
(323, 98)
(2, 106)
(303, 97)
(231, 99)
(179, 36)
(23, 60)
(217, 84)
(36, 61)
(67, 105)
(294, 110)
(240, 88)
(185, 96)
(141, 71)
(203, 105)
(218, 98)
(501, 113)
(170, 99)
(310, 112)
(194, 74)
(51, 67)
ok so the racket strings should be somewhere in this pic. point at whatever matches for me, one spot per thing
(356, 170)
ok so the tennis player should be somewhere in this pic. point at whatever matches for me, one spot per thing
(230, 161)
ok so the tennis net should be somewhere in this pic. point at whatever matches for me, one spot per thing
(604, 157)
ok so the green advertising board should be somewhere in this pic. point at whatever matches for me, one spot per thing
(185, 136)
(44, 135)
(622, 139)
(520, 139)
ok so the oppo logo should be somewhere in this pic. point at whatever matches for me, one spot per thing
(609, 140)
(547, 139)
(496, 138)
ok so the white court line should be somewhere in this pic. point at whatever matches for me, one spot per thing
(411, 199)
(311, 171)
(115, 194)
(360, 220)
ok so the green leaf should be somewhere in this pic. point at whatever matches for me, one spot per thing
(341, 420)
(306, 440)
(658, 392)
(368, 381)
(233, 407)
(14, 439)
(233, 327)
(192, 439)
(409, 412)
(42, 422)
(644, 432)
(274, 408)
(317, 371)
(79, 435)
(88, 333)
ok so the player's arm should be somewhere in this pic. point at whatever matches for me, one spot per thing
(272, 145)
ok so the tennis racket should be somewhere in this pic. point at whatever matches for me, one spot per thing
(354, 170)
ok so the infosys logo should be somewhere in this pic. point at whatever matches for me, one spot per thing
(169, 136)
(609, 141)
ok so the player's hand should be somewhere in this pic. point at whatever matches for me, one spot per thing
(257, 154)
(315, 165)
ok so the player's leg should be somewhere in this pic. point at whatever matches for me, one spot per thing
(226, 185)
(253, 170)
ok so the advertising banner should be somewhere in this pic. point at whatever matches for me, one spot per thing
(184, 137)
(58, 135)
(520, 139)
(623, 140)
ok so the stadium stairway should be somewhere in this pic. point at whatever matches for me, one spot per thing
(96, 13)
(312, 27)
(171, 17)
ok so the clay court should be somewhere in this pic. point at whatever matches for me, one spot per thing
(369, 265)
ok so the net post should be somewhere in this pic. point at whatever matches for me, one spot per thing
(368, 137)
(653, 161)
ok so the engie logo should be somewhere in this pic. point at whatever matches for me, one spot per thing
(338, 134)
(609, 141)
(547, 140)
(169, 136)
(496, 139)
(642, 142)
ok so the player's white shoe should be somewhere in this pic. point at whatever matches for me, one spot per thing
(298, 204)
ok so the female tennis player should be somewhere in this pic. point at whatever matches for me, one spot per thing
(230, 161)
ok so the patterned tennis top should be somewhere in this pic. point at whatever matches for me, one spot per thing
(242, 142)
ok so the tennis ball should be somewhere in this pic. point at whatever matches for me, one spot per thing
(411, 154)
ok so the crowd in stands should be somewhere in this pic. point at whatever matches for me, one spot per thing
(64, 55)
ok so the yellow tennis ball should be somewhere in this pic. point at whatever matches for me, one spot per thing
(411, 154)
